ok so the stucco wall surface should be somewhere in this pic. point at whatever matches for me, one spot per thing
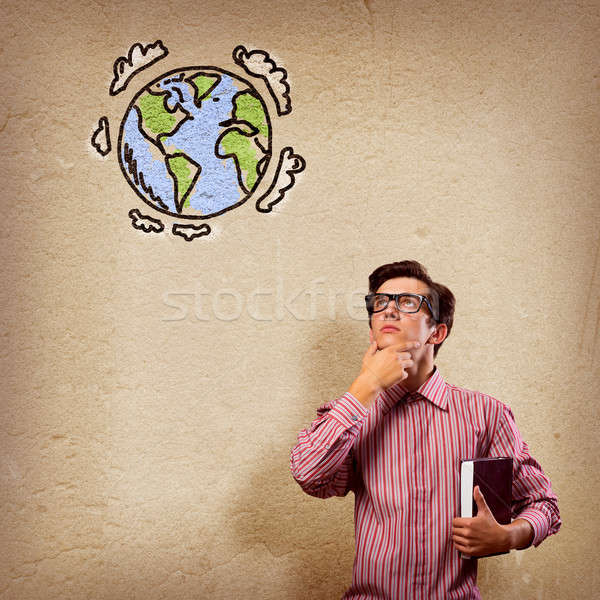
(152, 387)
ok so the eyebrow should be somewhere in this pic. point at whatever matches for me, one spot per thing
(426, 294)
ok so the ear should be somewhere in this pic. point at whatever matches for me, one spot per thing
(439, 334)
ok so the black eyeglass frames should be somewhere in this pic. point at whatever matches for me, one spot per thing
(406, 303)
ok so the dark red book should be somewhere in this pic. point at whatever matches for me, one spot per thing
(494, 478)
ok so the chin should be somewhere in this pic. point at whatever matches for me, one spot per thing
(390, 335)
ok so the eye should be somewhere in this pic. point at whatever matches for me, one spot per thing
(408, 302)
(380, 302)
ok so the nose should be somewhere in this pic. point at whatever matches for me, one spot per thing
(391, 311)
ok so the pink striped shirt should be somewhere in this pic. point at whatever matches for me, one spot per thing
(401, 459)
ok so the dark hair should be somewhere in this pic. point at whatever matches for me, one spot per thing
(441, 298)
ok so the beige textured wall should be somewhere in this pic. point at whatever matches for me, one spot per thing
(145, 455)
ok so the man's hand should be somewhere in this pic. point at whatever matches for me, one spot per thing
(381, 369)
(482, 534)
(389, 365)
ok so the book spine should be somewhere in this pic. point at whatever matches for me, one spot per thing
(466, 488)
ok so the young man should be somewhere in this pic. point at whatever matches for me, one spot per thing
(396, 439)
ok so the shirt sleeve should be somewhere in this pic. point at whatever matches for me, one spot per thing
(533, 499)
(322, 460)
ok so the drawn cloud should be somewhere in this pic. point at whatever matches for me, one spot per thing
(145, 223)
(138, 58)
(259, 63)
(101, 137)
(189, 232)
(289, 165)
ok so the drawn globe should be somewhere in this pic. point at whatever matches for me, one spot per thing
(195, 142)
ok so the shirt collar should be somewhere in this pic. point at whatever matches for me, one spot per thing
(434, 389)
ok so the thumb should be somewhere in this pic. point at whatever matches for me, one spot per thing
(372, 348)
(480, 501)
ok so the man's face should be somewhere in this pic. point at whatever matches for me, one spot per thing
(390, 326)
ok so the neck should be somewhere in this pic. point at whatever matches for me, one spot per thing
(419, 374)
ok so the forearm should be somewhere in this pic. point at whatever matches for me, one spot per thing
(519, 534)
(321, 461)
(532, 499)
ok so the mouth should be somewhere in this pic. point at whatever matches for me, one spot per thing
(389, 329)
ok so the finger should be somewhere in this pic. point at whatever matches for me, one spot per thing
(464, 548)
(480, 500)
(404, 346)
(462, 521)
(372, 349)
(404, 372)
(406, 362)
(459, 540)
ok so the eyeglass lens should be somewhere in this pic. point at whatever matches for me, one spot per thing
(405, 303)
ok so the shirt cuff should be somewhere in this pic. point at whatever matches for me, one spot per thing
(348, 411)
(539, 522)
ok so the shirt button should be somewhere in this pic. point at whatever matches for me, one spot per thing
(354, 418)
